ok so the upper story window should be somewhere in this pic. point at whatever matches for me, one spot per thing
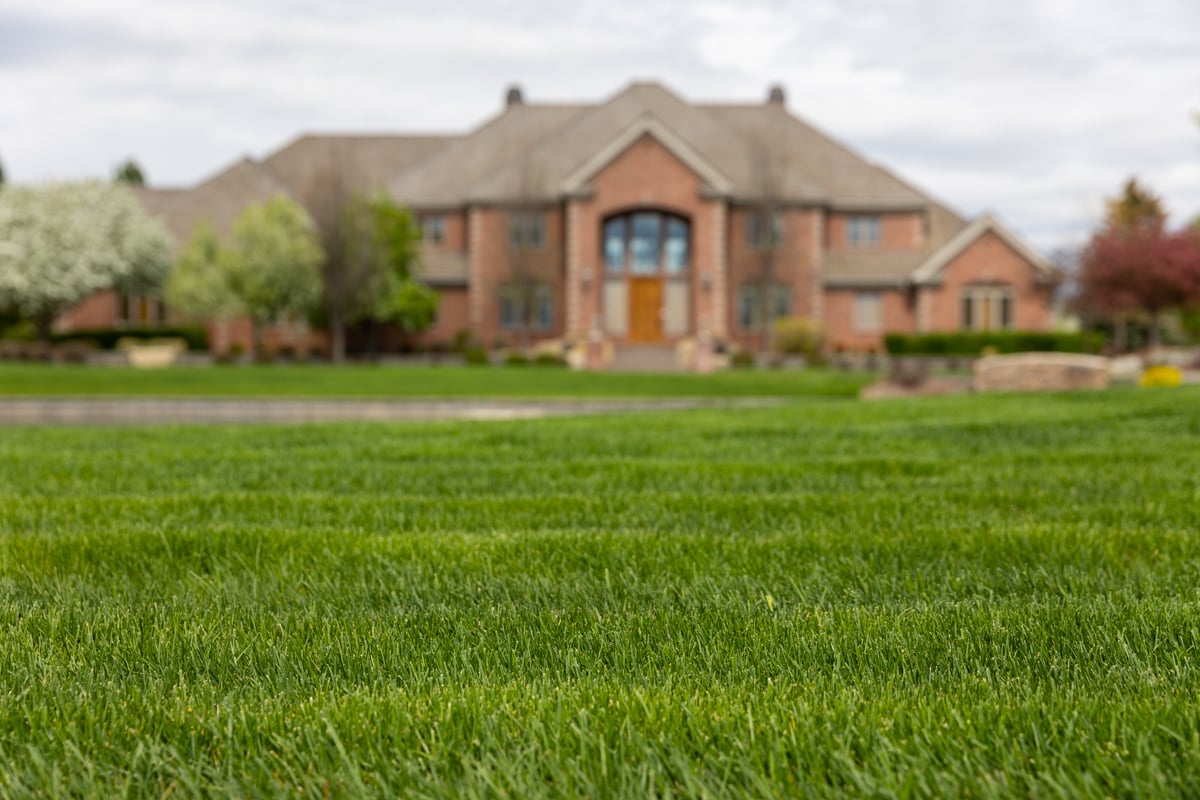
(863, 231)
(987, 308)
(764, 230)
(433, 228)
(527, 229)
(647, 243)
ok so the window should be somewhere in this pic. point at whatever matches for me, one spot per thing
(862, 231)
(675, 248)
(540, 299)
(433, 228)
(750, 308)
(526, 229)
(759, 234)
(140, 309)
(987, 308)
(614, 245)
(647, 243)
(868, 312)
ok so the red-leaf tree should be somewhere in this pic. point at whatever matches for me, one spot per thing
(1135, 265)
(1151, 271)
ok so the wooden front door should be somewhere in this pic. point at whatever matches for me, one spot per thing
(645, 309)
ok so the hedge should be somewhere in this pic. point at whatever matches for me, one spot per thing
(107, 338)
(974, 343)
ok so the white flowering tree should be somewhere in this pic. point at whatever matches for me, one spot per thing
(61, 242)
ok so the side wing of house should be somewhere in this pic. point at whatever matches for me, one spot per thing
(985, 278)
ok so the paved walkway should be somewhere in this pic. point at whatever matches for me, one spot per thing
(149, 411)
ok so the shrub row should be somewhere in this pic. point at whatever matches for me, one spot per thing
(107, 338)
(974, 343)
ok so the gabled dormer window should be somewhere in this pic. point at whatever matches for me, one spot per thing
(863, 230)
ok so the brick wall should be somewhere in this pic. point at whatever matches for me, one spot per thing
(792, 264)
(899, 316)
(500, 262)
(897, 230)
(990, 260)
(646, 176)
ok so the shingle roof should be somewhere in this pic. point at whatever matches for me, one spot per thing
(218, 200)
(531, 151)
(445, 178)
(363, 163)
(535, 152)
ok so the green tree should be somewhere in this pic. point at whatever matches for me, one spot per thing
(1135, 209)
(269, 271)
(410, 305)
(274, 263)
(61, 242)
(1, 174)
(129, 173)
(367, 241)
(198, 284)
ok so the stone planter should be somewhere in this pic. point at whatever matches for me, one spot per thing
(152, 354)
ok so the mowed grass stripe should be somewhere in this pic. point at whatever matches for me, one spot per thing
(992, 596)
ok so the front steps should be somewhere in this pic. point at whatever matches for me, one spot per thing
(645, 358)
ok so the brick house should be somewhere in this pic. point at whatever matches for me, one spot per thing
(649, 220)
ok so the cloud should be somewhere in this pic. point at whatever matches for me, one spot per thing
(1036, 108)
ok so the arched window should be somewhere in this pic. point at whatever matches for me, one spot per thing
(647, 243)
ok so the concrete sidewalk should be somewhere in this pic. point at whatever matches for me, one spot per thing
(151, 411)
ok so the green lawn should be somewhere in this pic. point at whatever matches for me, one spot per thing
(994, 596)
(400, 382)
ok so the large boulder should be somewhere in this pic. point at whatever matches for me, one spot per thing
(1040, 372)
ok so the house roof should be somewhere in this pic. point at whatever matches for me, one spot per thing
(446, 177)
(747, 153)
(929, 271)
(543, 152)
(218, 200)
(361, 163)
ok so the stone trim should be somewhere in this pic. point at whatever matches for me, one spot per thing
(574, 290)
(475, 291)
(818, 266)
(719, 301)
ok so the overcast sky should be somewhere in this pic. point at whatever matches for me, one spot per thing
(1036, 109)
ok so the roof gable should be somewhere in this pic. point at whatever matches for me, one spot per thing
(581, 144)
(930, 270)
(647, 125)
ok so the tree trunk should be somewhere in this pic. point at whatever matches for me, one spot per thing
(337, 339)
(256, 339)
(45, 326)
(1121, 334)
(1155, 329)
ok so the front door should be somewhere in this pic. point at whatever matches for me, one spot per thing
(645, 309)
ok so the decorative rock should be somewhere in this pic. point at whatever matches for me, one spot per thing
(1126, 369)
(1040, 372)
